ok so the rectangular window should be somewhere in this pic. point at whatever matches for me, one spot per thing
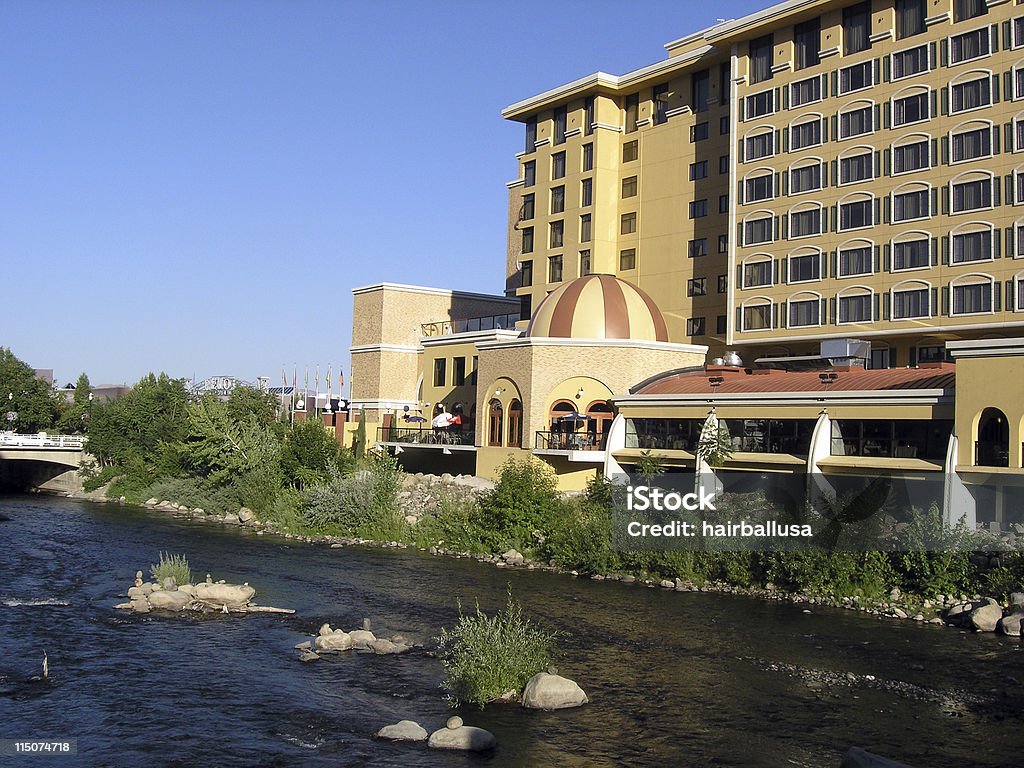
(910, 157)
(910, 16)
(910, 62)
(968, 9)
(805, 223)
(970, 95)
(807, 43)
(698, 209)
(659, 95)
(557, 229)
(757, 274)
(531, 134)
(910, 109)
(855, 261)
(972, 299)
(588, 117)
(910, 205)
(856, 168)
(721, 320)
(803, 313)
(526, 212)
(856, 214)
(440, 371)
(723, 161)
(527, 240)
(972, 246)
(856, 77)
(585, 228)
(759, 104)
(856, 28)
(805, 135)
(557, 199)
(585, 268)
(757, 231)
(805, 92)
(971, 145)
(588, 158)
(760, 54)
(628, 223)
(627, 259)
(723, 243)
(697, 248)
(458, 371)
(969, 45)
(804, 268)
(1018, 32)
(723, 125)
(758, 188)
(723, 202)
(910, 254)
(561, 117)
(759, 146)
(757, 317)
(908, 304)
(723, 284)
(1018, 83)
(586, 192)
(972, 195)
(530, 173)
(1018, 188)
(696, 326)
(629, 187)
(805, 179)
(558, 165)
(554, 269)
(697, 286)
(698, 170)
(701, 90)
(856, 309)
(526, 270)
(724, 81)
(699, 132)
(630, 151)
(632, 108)
(856, 122)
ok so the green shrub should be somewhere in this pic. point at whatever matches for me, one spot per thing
(172, 565)
(363, 504)
(485, 657)
(194, 492)
(455, 525)
(936, 559)
(581, 538)
(523, 502)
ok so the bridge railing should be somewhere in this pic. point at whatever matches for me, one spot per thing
(41, 440)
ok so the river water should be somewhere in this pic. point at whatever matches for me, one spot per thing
(675, 678)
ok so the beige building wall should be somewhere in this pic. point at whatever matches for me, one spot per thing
(978, 366)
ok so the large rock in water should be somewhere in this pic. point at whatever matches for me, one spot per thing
(165, 600)
(403, 730)
(338, 640)
(545, 691)
(464, 737)
(986, 617)
(362, 639)
(225, 595)
(1010, 625)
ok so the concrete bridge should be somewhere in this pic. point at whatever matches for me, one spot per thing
(42, 461)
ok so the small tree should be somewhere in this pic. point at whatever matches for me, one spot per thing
(715, 446)
(649, 466)
(360, 443)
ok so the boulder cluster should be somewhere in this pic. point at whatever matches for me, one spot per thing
(330, 640)
(244, 515)
(988, 615)
(454, 735)
(168, 595)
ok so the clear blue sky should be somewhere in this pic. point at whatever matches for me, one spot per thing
(196, 187)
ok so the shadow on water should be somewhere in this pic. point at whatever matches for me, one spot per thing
(695, 677)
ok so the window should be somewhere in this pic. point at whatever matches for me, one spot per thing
(701, 87)
(696, 326)
(758, 188)
(856, 214)
(759, 146)
(627, 259)
(588, 158)
(757, 317)
(527, 240)
(971, 145)
(526, 212)
(911, 205)
(724, 80)
(969, 45)
(910, 109)
(495, 423)
(807, 43)
(630, 151)
(698, 209)
(723, 125)
(972, 246)
(759, 104)
(560, 124)
(558, 165)
(557, 229)
(554, 269)
(757, 231)
(629, 187)
(805, 92)
(856, 168)
(632, 107)
(530, 173)
(586, 192)
(531, 134)
(968, 9)
(972, 299)
(856, 122)
(804, 268)
(757, 274)
(628, 223)
(855, 261)
(721, 320)
(585, 228)
(723, 202)
(856, 77)
(856, 28)
(585, 263)
(723, 162)
(723, 283)
(856, 309)
(697, 286)
(805, 135)
(440, 368)
(910, 303)
(972, 195)
(526, 270)
(458, 371)
(970, 95)
(557, 199)
(660, 96)
(1018, 32)
(910, 62)
(1018, 189)
(910, 16)
(698, 247)
(723, 243)
(804, 223)
(1018, 83)
(698, 170)
(760, 53)
(910, 254)
(802, 313)
(805, 179)
(699, 132)
(910, 157)
(588, 119)
(515, 424)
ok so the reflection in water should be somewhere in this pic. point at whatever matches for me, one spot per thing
(673, 677)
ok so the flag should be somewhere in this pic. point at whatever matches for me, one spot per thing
(329, 384)
(341, 381)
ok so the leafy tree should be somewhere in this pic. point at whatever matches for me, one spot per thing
(246, 401)
(74, 418)
(22, 393)
(523, 502)
(308, 453)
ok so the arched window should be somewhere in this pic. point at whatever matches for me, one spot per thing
(912, 153)
(911, 105)
(806, 220)
(992, 448)
(804, 309)
(756, 314)
(911, 250)
(856, 211)
(855, 304)
(515, 424)
(855, 257)
(911, 201)
(757, 270)
(495, 423)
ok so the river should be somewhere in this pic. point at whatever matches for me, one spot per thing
(674, 678)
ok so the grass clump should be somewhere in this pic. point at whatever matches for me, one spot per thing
(486, 657)
(175, 566)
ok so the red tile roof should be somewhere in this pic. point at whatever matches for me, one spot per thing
(757, 381)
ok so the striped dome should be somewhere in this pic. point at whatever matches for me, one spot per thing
(598, 307)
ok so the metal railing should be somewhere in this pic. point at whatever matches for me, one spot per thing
(568, 441)
(488, 323)
(424, 436)
(41, 440)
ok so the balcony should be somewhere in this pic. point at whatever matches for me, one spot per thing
(470, 325)
(568, 441)
(426, 436)
(989, 453)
